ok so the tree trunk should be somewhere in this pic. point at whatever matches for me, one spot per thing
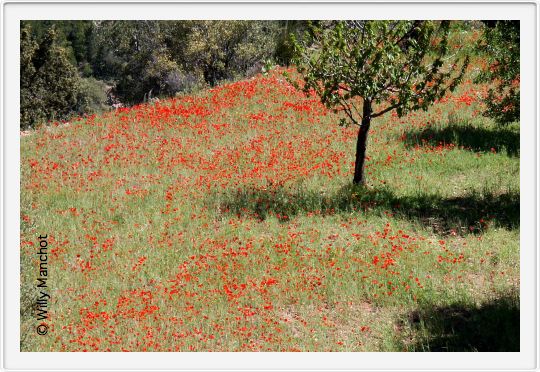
(359, 177)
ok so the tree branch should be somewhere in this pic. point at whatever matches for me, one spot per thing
(349, 113)
(389, 108)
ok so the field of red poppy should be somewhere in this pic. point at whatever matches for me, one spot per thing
(226, 221)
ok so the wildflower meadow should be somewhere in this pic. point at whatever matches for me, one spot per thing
(225, 220)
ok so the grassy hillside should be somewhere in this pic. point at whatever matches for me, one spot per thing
(226, 221)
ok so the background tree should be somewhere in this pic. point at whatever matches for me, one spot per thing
(228, 49)
(75, 37)
(284, 45)
(134, 56)
(146, 59)
(368, 68)
(29, 112)
(501, 47)
(50, 84)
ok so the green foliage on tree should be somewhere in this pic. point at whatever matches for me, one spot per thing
(50, 84)
(228, 49)
(28, 100)
(501, 47)
(148, 75)
(136, 57)
(368, 68)
(76, 37)
(160, 58)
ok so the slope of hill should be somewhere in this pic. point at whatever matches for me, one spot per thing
(225, 221)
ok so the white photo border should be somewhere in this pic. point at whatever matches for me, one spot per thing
(14, 11)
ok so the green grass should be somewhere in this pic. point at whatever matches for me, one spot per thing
(252, 237)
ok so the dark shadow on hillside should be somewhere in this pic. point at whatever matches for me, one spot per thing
(489, 327)
(477, 139)
(462, 215)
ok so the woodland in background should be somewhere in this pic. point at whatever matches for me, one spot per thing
(84, 67)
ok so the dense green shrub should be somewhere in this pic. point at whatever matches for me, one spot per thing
(92, 97)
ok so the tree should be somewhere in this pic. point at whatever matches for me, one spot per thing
(369, 68)
(50, 84)
(29, 113)
(501, 46)
(227, 49)
(135, 55)
(75, 37)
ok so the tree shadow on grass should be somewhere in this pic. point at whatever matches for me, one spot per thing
(471, 213)
(478, 139)
(490, 326)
